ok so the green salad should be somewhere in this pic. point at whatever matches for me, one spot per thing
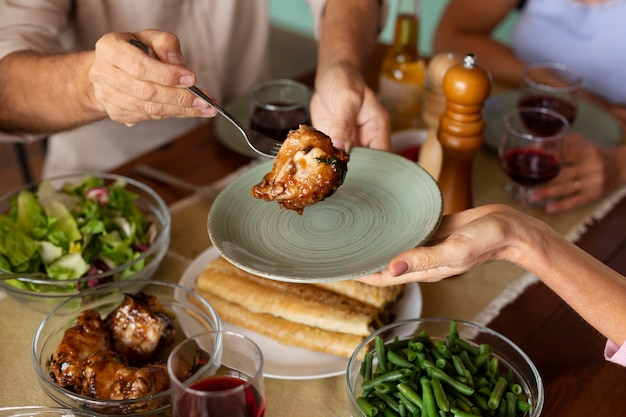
(79, 230)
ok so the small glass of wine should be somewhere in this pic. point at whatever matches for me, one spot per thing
(554, 86)
(217, 373)
(278, 106)
(531, 149)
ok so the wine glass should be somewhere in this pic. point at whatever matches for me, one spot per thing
(554, 86)
(278, 106)
(531, 149)
(217, 373)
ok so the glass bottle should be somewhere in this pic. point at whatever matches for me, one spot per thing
(403, 70)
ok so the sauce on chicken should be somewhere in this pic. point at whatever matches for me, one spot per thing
(307, 169)
(116, 358)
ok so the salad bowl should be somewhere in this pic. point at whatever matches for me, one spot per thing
(64, 235)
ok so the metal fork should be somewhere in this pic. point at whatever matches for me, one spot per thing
(260, 143)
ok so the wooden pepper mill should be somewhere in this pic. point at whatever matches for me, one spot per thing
(434, 105)
(466, 87)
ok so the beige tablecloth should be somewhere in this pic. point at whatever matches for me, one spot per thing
(477, 296)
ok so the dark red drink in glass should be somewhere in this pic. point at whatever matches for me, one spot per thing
(243, 402)
(278, 118)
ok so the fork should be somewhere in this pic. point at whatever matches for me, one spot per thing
(260, 143)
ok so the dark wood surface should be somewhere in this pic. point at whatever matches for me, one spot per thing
(567, 351)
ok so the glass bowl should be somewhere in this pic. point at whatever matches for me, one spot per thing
(508, 357)
(44, 293)
(192, 314)
(40, 411)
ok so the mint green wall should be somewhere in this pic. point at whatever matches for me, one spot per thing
(294, 15)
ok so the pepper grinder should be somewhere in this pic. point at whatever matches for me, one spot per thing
(466, 86)
(434, 105)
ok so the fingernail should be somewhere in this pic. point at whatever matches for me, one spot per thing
(199, 103)
(209, 111)
(398, 268)
(186, 80)
(175, 58)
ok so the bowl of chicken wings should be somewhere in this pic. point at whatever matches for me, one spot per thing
(105, 351)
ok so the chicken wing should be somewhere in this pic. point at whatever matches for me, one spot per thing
(307, 169)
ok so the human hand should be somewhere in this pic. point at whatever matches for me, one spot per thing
(463, 241)
(131, 87)
(348, 111)
(590, 171)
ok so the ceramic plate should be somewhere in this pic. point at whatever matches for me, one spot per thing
(386, 205)
(592, 121)
(287, 362)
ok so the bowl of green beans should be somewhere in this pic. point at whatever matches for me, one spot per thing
(434, 367)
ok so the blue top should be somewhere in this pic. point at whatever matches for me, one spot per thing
(590, 37)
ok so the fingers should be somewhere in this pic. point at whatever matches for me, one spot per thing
(132, 86)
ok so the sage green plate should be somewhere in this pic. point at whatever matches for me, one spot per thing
(386, 205)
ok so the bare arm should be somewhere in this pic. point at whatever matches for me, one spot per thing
(343, 106)
(497, 232)
(51, 93)
(466, 27)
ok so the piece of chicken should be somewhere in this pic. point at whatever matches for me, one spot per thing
(107, 377)
(307, 169)
(140, 328)
(84, 339)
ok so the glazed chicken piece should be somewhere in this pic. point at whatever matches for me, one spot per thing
(86, 338)
(110, 359)
(107, 377)
(307, 169)
(140, 328)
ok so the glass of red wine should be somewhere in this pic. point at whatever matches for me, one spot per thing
(278, 106)
(554, 86)
(531, 148)
(217, 374)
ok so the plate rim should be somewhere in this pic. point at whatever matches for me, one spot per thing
(188, 280)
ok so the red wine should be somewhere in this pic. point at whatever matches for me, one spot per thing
(543, 124)
(530, 166)
(245, 403)
(277, 123)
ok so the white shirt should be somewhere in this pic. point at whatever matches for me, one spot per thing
(223, 41)
(586, 36)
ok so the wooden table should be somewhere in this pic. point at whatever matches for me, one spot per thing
(566, 350)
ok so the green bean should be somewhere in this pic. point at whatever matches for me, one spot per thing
(402, 409)
(467, 361)
(385, 387)
(480, 401)
(523, 406)
(368, 409)
(440, 395)
(516, 389)
(511, 404)
(367, 366)
(398, 360)
(386, 377)
(430, 406)
(410, 406)
(389, 401)
(380, 354)
(389, 413)
(410, 394)
(482, 359)
(448, 380)
(460, 413)
(492, 370)
(496, 393)
(443, 349)
(463, 344)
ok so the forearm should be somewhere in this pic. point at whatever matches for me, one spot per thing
(591, 288)
(46, 93)
(466, 27)
(348, 33)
